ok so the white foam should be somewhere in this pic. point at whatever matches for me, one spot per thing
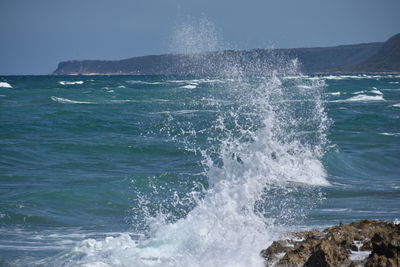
(376, 91)
(189, 86)
(70, 82)
(396, 105)
(334, 93)
(359, 255)
(121, 101)
(342, 77)
(68, 101)
(390, 134)
(5, 85)
(332, 77)
(394, 82)
(302, 86)
(143, 82)
(362, 98)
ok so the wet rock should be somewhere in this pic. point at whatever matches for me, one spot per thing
(364, 243)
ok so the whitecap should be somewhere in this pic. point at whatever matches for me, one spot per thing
(122, 101)
(358, 92)
(362, 98)
(189, 86)
(68, 101)
(390, 134)
(295, 77)
(304, 86)
(394, 82)
(334, 93)
(5, 85)
(396, 105)
(377, 92)
(332, 77)
(70, 82)
(142, 82)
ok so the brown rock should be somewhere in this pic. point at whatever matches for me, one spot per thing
(334, 245)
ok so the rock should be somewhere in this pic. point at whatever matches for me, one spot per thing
(364, 243)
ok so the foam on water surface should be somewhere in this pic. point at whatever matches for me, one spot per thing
(5, 85)
(68, 101)
(70, 82)
(362, 98)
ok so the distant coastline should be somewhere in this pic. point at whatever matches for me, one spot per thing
(370, 58)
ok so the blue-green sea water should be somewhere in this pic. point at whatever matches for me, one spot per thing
(189, 171)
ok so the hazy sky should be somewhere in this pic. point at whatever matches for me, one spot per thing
(37, 34)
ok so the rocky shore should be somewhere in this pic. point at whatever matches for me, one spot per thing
(367, 243)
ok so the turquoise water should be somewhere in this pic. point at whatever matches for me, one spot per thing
(152, 170)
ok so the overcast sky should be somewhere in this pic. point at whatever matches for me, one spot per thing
(37, 34)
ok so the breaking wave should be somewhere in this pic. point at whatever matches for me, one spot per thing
(362, 98)
(69, 101)
(70, 82)
(5, 85)
(263, 165)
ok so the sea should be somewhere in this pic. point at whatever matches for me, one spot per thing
(199, 170)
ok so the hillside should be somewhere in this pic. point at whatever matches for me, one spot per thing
(370, 57)
(386, 59)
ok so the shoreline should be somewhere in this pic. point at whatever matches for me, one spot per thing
(371, 243)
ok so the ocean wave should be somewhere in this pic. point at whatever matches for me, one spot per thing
(142, 82)
(120, 101)
(184, 111)
(396, 105)
(394, 82)
(198, 81)
(334, 93)
(362, 98)
(391, 89)
(69, 101)
(5, 85)
(343, 77)
(358, 92)
(376, 91)
(70, 83)
(189, 86)
(390, 134)
(304, 86)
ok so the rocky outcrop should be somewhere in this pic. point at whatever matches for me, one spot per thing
(364, 243)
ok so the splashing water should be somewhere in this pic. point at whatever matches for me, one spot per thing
(262, 161)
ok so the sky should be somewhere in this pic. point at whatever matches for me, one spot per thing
(35, 35)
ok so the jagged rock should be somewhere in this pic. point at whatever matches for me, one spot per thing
(364, 243)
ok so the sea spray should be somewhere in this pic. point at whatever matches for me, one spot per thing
(261, 159)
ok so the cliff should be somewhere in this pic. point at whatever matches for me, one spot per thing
(370, 57)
